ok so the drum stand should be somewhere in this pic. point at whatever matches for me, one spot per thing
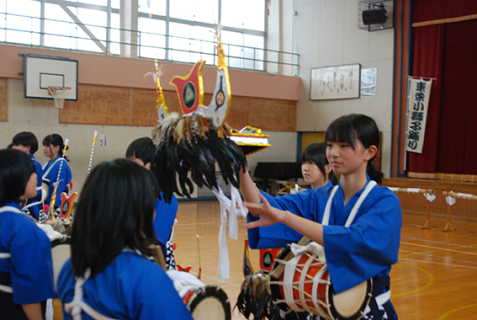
(428, 193)
(450, 199)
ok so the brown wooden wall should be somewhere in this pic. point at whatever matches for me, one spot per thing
(3, 99)
(103, 105)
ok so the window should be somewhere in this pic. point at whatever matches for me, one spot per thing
(244, 14)
(244, 51)
(186, 35)
(22, 23)
(191, 43)
(192, 10)
(157, 7)
(152, 39)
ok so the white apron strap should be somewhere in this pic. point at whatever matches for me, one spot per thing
(9, 208)
(50, 167)
(354, 211)
(356, 207)
(326, 216)
(76, 306)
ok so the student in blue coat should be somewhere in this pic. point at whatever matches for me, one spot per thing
(53, 148)
(109, 270)
(142, 152)
(368, 247)
(315, 168)
(26, 269)
(317, 172)
(27, 142)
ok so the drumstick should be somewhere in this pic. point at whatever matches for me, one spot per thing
(198, 251)
(278, 271)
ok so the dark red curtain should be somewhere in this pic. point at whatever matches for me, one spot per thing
(427, 10)
(428, 57)
(447, 52)
(457, 152)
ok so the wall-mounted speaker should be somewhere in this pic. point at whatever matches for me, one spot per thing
(374, 16)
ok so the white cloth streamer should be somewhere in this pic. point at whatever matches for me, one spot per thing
(430, 197)
(184, 281)
(235, 208)
(450, 200)
(464, 195)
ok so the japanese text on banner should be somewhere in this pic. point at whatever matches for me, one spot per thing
(419, 93)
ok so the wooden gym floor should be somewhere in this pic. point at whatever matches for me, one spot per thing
(435, 278)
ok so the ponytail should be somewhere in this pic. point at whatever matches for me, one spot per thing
(374, 173)
(56, 140)
(332, 177)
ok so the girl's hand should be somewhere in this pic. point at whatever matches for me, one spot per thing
(268, 214)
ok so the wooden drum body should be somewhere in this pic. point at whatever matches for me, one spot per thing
(305, 285)
(209, 302)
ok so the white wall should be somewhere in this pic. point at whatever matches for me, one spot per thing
(327, 35)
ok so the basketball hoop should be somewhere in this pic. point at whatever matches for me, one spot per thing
(58, 93)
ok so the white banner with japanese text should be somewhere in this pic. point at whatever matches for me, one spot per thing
(419, 93)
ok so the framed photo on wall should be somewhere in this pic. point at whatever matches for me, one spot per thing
(335, 82)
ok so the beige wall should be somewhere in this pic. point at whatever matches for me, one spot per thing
(41, 117)
(327, 34)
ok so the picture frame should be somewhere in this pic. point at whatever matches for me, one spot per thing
(335, 82)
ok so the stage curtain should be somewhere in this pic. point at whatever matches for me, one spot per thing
(427, 60)
(428, 10)
(458, 121)
(447, 52)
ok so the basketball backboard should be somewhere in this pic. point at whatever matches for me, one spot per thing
(41, 72)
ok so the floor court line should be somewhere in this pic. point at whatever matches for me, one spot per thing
(431, 281)
(435, 256)
(439, 249)
(440, 242)
(439, 263)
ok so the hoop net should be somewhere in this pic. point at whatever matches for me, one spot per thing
(58, 94)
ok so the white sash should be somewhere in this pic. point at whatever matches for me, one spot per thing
(317, 251)
(354, 211)
(50, 167)
(77, 305)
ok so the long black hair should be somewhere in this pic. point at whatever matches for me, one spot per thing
(55, 139)
(26, 138)
(316, 152)
(354, 127)
(16, 169)
(115, 211)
